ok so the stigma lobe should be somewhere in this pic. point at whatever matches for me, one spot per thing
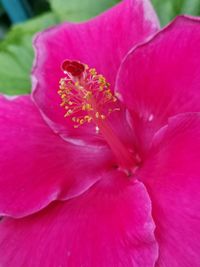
(75, 68)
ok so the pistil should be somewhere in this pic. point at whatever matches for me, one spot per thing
(86, 97)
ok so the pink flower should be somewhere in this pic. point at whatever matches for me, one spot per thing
(110, 178)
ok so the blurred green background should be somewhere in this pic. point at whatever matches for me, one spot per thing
(17, 30)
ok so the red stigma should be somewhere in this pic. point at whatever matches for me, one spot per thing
(73, 67)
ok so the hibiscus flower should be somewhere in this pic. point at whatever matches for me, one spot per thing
(104, 170)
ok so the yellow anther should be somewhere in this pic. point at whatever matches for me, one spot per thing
(93, 72)
(77, 83)
(88, 118)
(87, 95)
(69, 112)
(62, 82)
(102, 80)
(101, 88)
(97, 115)
(63, 96)
(87, 107)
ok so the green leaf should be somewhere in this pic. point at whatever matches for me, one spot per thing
(16, 55)
(15, 67)
(191, 7)
(169, 9)
(29, 27)
(74, 10)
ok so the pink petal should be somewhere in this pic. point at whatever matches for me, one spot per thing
(110, 225)
(37, 166)
(101, 43)
(161, 78)
(172, 177)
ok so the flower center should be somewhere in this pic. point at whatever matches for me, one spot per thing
(86, 97)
